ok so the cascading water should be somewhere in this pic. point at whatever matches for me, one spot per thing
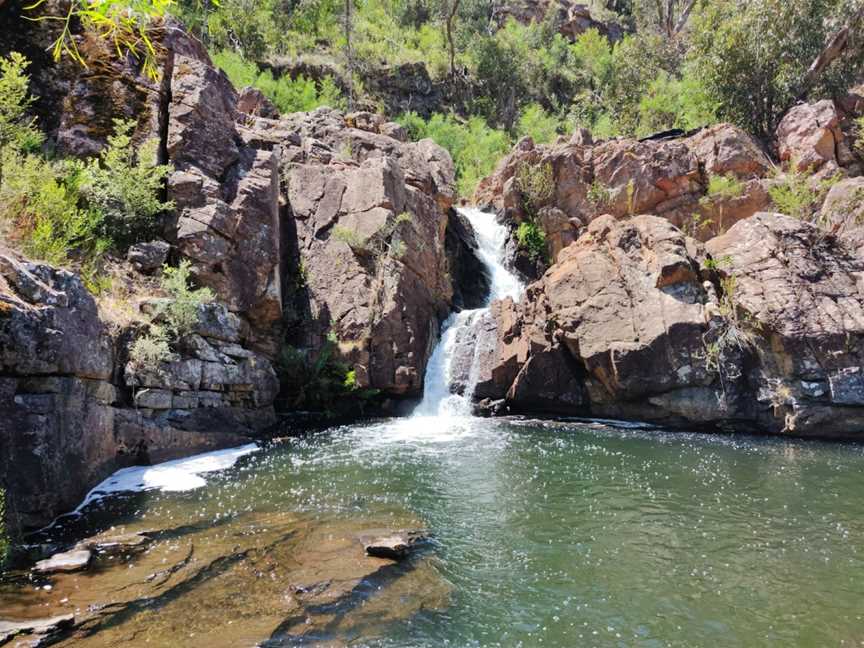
(438, 396)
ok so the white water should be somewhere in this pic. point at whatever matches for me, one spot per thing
(438, 400)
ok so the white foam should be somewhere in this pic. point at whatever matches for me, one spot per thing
(171, 476)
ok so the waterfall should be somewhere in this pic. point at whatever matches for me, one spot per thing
(462, 332)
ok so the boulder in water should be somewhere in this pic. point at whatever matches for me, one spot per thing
(68, 561)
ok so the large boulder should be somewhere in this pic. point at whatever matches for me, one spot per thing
(664, 177)
(370, 214)
(635, 322)
(809, 136)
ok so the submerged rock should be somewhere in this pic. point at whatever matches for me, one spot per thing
(68, 561)
(35, 628)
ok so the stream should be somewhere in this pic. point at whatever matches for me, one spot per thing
(540, 533)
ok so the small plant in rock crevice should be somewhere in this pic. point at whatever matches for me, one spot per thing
(796, 193)
(5, 544)
(731, 330)
(536, 185)
(532, 239)
(599, 195)
(720, 190)
(173, 320)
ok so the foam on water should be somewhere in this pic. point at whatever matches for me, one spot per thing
(171, 476)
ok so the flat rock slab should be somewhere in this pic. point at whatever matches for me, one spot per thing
(395, 545)
(69, 561)
(117, 544)
(10, 629)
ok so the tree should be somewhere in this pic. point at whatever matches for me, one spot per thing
(451, 14)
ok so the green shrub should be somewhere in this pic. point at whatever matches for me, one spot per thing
(288, 95)
(532, 239)
(180, 313)
(127, 26)
(796, 193)
(124, 186)
(317, 381)
(17, 131)
(537, 124)
(536, 184)
(721, 188)
(351, 238)
(599, 195)
(150, 350)
(172, 321)
(473, 145)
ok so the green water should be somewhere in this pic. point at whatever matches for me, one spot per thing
(576, 534)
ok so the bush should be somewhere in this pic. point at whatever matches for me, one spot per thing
(797, 194)
(536, 185)
(537, 124)
(319, 381)
(17, 132)
(532, 239)
(473, 145)
(173, 320)
(753, 56)
(287, 94)
(151, 349)
(181, 311)
(124, 186)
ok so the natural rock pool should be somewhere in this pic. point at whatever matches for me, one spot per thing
(542, 534)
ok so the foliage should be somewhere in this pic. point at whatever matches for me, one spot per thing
(173, 320)
(532, 239)
(752, 57)
(536, 185)
(859, 140)
(69, 211)
(352, 239)
(124, 186)
(732, 331)
(288, 95)
(127, 25)
(721, 188)
(319, 380)
(599, 195)
(796, 193)
(474, 146)
(17, 131)
(151, 349)
(536, 123)
(180, 313)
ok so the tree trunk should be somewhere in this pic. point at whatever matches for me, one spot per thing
(349, 56)
(835, 48)
(450, 16)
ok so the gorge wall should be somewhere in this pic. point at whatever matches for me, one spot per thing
(311, 229)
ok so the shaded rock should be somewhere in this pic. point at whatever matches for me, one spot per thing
(723, 149)
(843, 211)
(147, 257)
(471, 280)
(69, 561)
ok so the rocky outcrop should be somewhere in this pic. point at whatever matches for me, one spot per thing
(809, 135)
(571, 18)
(370, 216)
(633, 323)
(666, 177)
(66, 417)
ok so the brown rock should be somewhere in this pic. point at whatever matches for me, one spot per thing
(809, 134)
(723, 149)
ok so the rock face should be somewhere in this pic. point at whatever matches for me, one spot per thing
(66, 420)
(370, 215)
(305, 227)
(809, 135)
(667, 178)
(630, 324)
